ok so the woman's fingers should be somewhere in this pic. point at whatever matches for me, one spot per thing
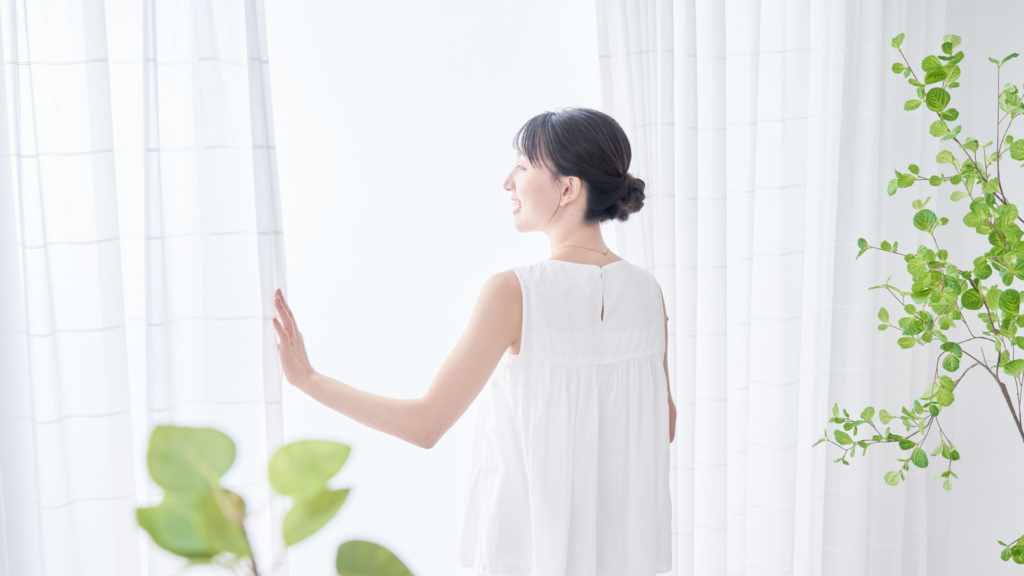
(286, 320)
(280, 331)
(287, 313)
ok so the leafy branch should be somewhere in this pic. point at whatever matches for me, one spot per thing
(942, 295)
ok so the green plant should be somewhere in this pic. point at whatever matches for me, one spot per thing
(202, 521)
(942, 295)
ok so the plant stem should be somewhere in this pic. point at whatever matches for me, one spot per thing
(1006, 394)
(252, 557)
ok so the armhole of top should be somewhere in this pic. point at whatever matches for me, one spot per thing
(522, 324)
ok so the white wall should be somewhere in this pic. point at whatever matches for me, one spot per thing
(394, 129)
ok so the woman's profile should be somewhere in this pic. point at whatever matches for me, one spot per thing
(568, 355)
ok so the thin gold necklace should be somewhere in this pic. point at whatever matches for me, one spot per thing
(584, 247)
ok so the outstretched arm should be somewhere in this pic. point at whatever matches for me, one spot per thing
(493, 327)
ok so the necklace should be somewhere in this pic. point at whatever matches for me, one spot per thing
(584, 247)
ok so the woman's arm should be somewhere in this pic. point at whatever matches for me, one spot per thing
(494, 325)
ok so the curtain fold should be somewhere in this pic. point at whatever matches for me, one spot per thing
(766, 132)
(140, 246)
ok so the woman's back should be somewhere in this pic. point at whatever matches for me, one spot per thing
(570, 461)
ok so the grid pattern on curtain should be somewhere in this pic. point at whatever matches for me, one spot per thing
(767, 132)
(140, 246)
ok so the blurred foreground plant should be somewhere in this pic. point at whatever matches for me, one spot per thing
(200, 520)
(942, 295)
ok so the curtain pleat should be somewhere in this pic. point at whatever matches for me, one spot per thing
(765, 132)
(140, 246)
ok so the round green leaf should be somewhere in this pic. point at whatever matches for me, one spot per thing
(362, 558)
(189, 459)
(937, 75)
(302, 469)
(843, 438)
(938, 128)
(893, 478)
(972, 300)
(951, 363)
(937, 99)
(193, 525)
(308, 516)
(930, 63)
(1014, 368)
(1009, 302)
(907, 342)
(919, 458)
(944, 397)
(925, 220)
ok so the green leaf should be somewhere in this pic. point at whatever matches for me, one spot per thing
(906, 180)
(867, 414)
(925, 220)
(1017, 150)
(931, 63)
(883, 315)
(301, 469)
(362, 558)
(862, 243)
(919, 458)
(1014, 55)
(893, 478)
(884, 416)
(907, 342)
(843, 438)
(194, 525)
(1014, 368)
(944, 157)
(972, 300)
(189, 459)
(951, 363)
(938, 128)
(1009, 302)
(309, 515)
(912, 104)
(898, 40)
(944, 397)
(915, 169)
(959, 194)
(898, 67)
(937, 99)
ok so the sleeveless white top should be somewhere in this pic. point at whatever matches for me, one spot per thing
(569, 470)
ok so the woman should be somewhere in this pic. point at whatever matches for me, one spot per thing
(570, 453)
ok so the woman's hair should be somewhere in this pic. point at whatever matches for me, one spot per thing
(590, 145)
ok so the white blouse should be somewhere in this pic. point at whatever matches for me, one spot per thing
(569, 470)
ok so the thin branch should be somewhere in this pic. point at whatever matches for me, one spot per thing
(1002, 387)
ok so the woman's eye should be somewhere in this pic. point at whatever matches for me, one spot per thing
(522, 167)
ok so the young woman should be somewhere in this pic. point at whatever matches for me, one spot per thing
(570, 461)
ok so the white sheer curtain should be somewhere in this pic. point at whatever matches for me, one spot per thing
(767, 132)
(140, 246)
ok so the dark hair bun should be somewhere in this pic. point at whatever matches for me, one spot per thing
(632, 198)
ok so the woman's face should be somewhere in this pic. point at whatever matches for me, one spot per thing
(534, 195)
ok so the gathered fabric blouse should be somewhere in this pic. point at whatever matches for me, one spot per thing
(569, 466)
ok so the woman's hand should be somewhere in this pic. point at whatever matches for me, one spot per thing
(291, 347)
